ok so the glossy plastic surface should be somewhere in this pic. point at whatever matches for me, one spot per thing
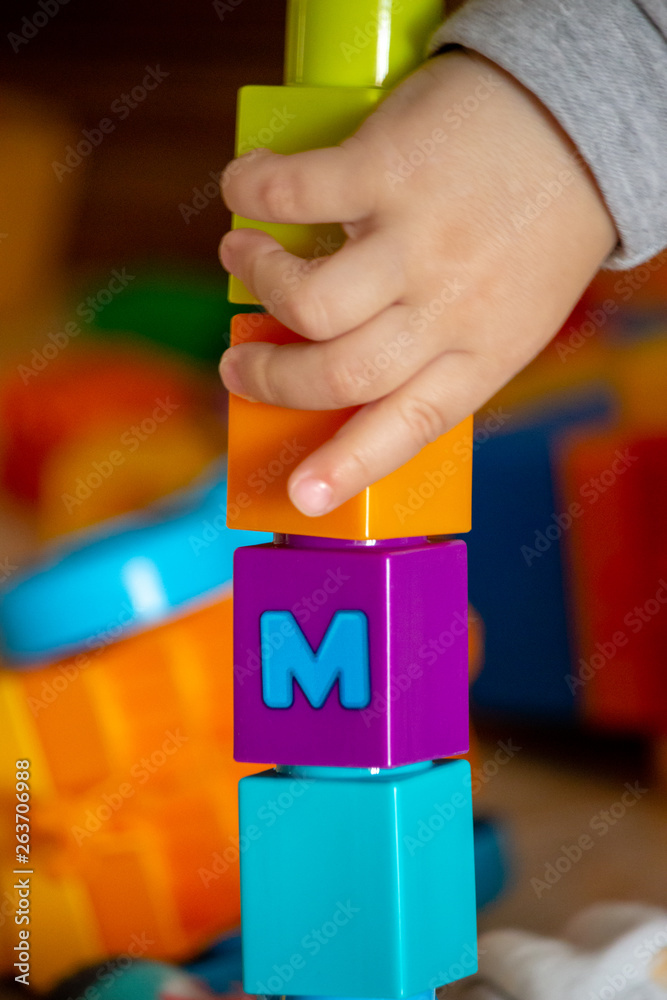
(493, 861)
(339, 56)
(178, 309)
(120, 579)
(92, 387)
(425, 995)
(414, 599)
(360, 885)
(617, 547)
(104, 472)
(291, 120)
(357, 43)
(429, 495)
(133, 795)
(126, 979)
(515, 487)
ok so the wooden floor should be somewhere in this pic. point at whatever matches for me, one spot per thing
(554, 792)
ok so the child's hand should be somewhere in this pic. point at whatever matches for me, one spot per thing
(472, 231)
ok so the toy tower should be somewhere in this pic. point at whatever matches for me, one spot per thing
(350, 630)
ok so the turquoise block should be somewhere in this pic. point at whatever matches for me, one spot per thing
(357, 882)
(426, 995)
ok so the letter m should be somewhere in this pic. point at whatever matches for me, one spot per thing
(342, 656)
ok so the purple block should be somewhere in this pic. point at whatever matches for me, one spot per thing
(414, 595)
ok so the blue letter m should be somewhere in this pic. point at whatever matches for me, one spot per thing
(341, 656)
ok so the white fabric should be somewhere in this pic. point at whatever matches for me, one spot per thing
(608, 952)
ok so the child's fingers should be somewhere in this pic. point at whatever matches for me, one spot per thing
(384, 435)
(319, 298)
(322, 185)
(356, 368)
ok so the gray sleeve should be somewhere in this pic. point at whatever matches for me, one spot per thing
(600, 67)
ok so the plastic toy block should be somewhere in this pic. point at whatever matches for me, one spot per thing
(338, 56)
(356, 43)
(291, 120)
(130, 577)
(631, 305)
(179, 310)
(100, 387)
(63, 931)
(169, 839)
(130, 865)
(518, 541)
(220, 966)
(617, 548)
(19, 739)
(119, 704)
(136, 980)
(356, 883)
(639, 374)
(344, 657)
(429, 495)
(130, 736)
(106, 473)
(83, 759)
(424, 995)
(492, 861)
(652, 455)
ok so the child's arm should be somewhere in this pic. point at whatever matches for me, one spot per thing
(472, 226)
(600, 67)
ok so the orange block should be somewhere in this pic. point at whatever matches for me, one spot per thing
(135, 471)
(128, 892)
(67, 728)
(429, 495)
(205, 884)
(134, 806)
(93, 389)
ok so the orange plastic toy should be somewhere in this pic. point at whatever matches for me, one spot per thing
(89, 387)
(431, 494)
(127, 726)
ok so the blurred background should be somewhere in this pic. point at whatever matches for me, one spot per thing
(115, 122)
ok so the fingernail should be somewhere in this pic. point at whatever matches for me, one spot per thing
(231, 378)
(313, 497)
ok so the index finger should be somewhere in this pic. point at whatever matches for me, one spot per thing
(318, 186)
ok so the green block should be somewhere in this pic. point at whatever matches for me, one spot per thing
(292, 120)
(181, 311)
(357, 43)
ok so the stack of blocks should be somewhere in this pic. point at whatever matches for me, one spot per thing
(350, 630)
